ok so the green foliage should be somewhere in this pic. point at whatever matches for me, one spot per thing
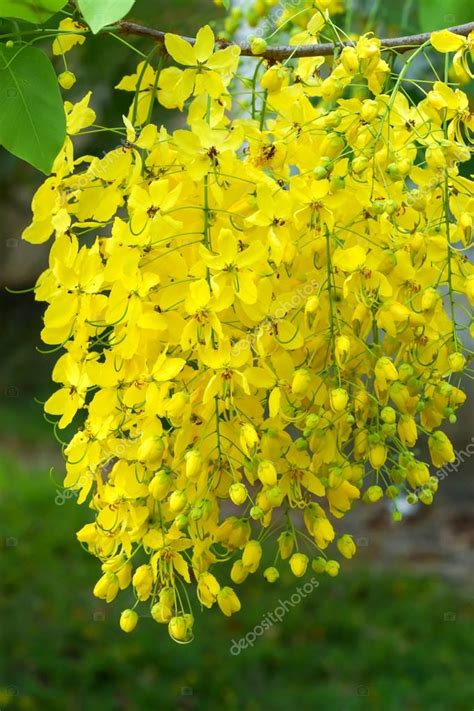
(36, 11)
(444, 13)
(32, 120)
(100, 13)
(361, 642)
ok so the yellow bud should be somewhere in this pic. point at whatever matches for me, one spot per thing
(286, 542)
(373, 494)
(228, 601)
(271, 574)
(107, 587)
(319, 564)
(248, 438)
(258, 45)
(346, 546)
(267, 473)
(441, 449)
(128, 620)
(239, 573)
(332, 568)
(377, 455)
(359, 164)
(369, 110)
(457, 362)
(417, 474)
(312, 304)
(388, 415)
(67, 80)
(426, 496)
(298, 564)
(407, 430)
(343, 347)
(273, 79)
(161, 613)
(143, 581)
(193, 461)
(338, 399)
(179, 629)
(350, 60)
(429, 299)
(301, 382)
(238, 493)
(385, 369)
(252, 555)
(177, 501)
(160, 485)
(207, 589)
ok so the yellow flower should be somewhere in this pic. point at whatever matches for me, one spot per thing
(68, 36)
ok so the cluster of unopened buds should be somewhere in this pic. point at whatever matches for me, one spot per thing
(259, 315)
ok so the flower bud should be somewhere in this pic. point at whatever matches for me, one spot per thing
(457, 362)
(267, 473)
(301, 382)
(286, 542)
(207, 589)
(312, 304)
(107, 587)
(271, 574)
(373, 494)
(162, 613)
(388, 415)
(67, 80)
(350, 60)
(193, 461)
(338, 399)
(160, 485)
(143, 581)
(252, 555)
(369, 110)
(298, 564)
(228, 601)
(238, 493)
(239, 573)
(346, 546)
(319, 564)
(178, 501)
(342, 349)
(257, 45)
(128, 620)
(385, 369)
(332, 568)
(179, 629)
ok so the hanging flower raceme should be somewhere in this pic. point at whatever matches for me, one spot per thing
(259, 316)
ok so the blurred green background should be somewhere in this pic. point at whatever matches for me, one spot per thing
(393, 631)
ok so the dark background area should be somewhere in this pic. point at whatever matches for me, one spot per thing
(394, 631)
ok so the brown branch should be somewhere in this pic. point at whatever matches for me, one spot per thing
(275, 54)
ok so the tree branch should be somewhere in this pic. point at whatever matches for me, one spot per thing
(275, 54)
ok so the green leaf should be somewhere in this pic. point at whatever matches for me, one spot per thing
(440, 14)
(32, 119)
(100, 13)
(226, 4)
(36, 11)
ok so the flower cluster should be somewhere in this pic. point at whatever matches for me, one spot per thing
(258, 314)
